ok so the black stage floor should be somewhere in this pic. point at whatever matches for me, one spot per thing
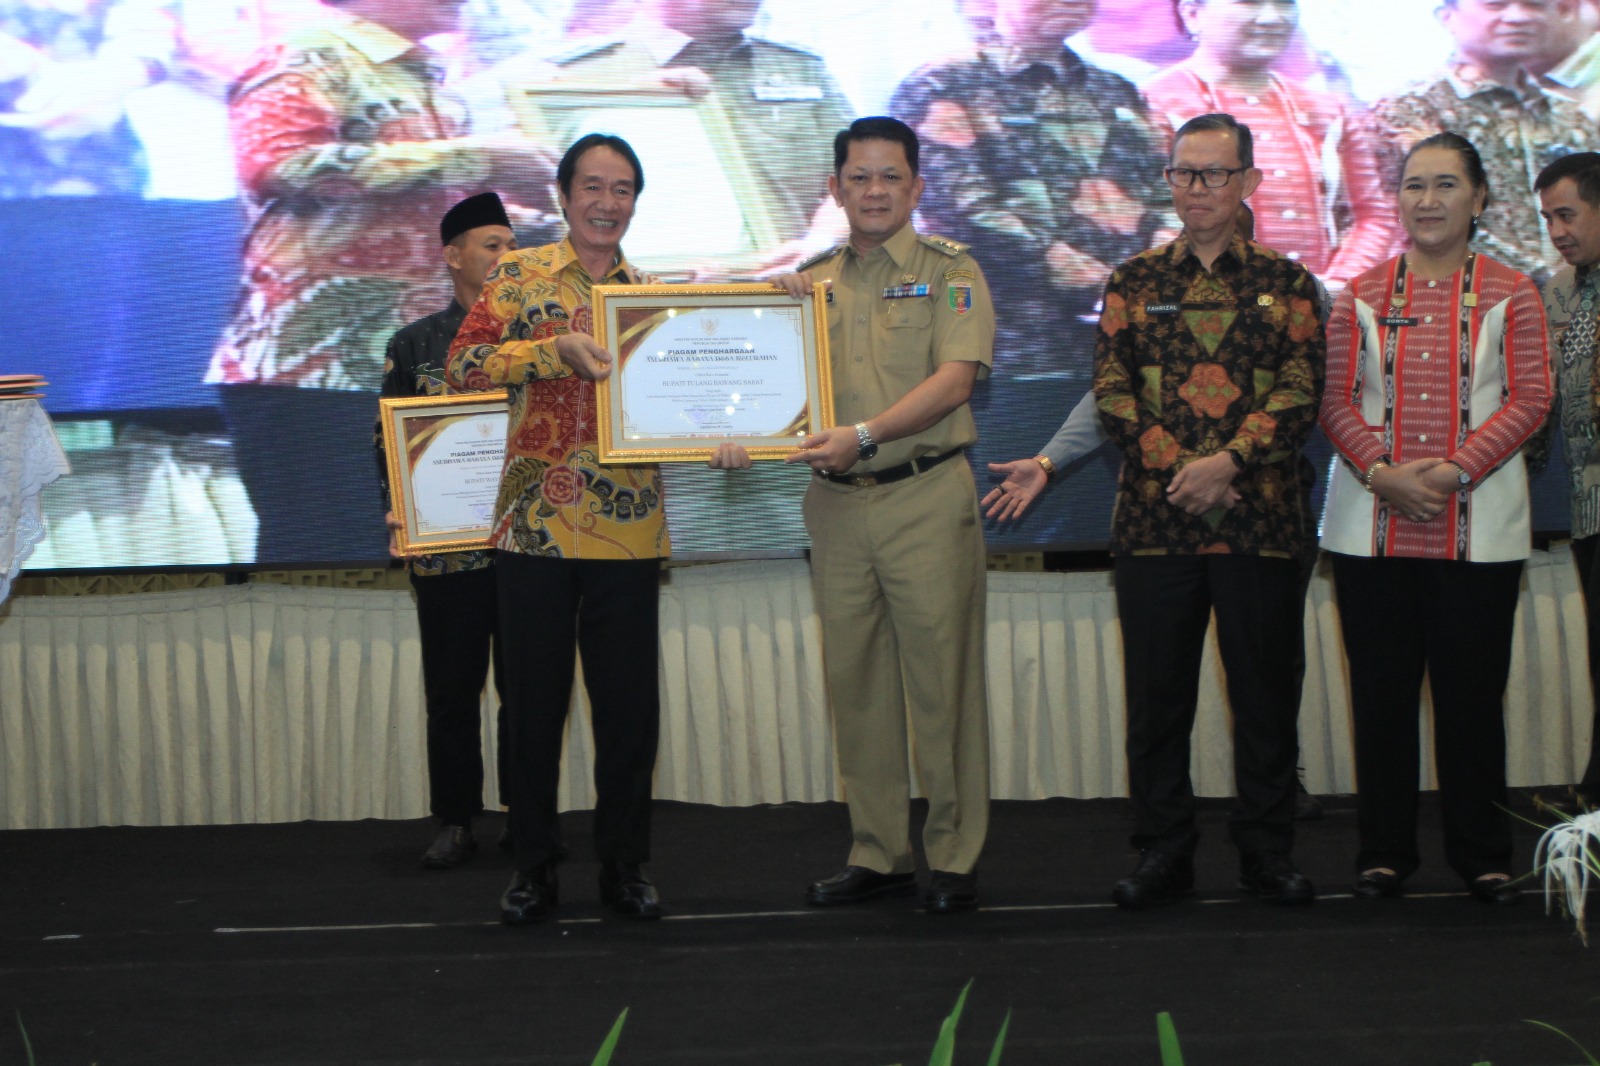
(325, 943)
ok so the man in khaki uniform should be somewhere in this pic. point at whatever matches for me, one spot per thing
(897, 555)
(781, 103)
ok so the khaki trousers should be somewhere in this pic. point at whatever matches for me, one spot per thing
(898, 574)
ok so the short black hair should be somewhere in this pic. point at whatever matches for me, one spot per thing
(567, 169)
(1584, 170)
(1472, 163)
(876, 128)
(1218, 120)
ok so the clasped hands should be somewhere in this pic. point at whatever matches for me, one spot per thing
(1420, 489)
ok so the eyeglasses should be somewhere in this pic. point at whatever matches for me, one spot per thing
(1214, 178)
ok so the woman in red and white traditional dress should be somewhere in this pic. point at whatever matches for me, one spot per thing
(1437, 375)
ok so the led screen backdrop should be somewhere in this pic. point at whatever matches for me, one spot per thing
(209, 299)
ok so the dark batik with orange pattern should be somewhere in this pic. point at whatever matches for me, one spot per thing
(1190, 362)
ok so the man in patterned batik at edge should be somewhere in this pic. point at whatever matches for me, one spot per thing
(457, 604)
(1047, 167)
(348, 152)
(1569, 202)
(1323, 203)
(1518, 125)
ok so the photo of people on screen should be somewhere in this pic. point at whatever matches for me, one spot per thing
(255, 175)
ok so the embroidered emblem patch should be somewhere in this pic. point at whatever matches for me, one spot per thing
(960, 298)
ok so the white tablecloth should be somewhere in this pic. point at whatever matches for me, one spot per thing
(30, 459)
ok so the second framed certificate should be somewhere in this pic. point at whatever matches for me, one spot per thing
(444, 455)
(698, 365)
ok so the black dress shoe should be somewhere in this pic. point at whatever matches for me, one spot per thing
(1160, 877)
(529, 895)
(1379, 884)
(452, 847)
(1495, 889)
(855, 884)
(625, 889)
(952, 893)
(1272, 878)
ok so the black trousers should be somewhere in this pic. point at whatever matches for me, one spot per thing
(457, 615)
(1583, 553)
(606, 609)
(1165, 603)
(1401, 617)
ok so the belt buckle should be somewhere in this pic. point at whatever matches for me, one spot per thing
(865, 481)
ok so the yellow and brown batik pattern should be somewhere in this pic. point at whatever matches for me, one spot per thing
(1189, 363)
(555, 497)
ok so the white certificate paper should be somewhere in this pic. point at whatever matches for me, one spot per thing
(455, 476)
(697, 365)
(726, 372)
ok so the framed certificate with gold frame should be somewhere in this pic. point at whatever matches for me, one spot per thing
(445, 454)
(697, 365)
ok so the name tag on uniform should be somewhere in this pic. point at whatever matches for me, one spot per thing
(1162, 309)
(783, 94)
(1396, 320)
(901, 292)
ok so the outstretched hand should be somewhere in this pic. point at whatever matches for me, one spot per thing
(1025, 480)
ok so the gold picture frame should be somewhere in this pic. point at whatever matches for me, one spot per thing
(445, 455)
(698, 365)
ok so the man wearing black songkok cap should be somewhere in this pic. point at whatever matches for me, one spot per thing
(456, 613)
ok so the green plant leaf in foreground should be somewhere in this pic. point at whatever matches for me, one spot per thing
(604, 1057)
(1000, 1041)
(944, 1049)
(1167, 1035)
(1564, 1036)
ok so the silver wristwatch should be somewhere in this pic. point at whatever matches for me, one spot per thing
(866, 447)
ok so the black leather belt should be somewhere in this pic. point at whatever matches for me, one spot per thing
(890, 474)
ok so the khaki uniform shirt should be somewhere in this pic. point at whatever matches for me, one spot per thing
(885, 339)
(783, 106)
(1578, 79)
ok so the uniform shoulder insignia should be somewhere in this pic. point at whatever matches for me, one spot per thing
(820, 257)
(586, 48)
(943, 245)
